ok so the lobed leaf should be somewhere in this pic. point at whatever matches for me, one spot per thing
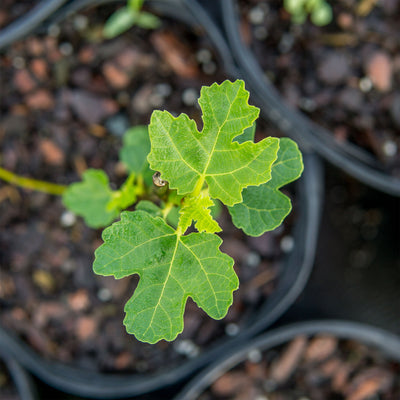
(264, 207)
(90, 199)
(171, 268)
(188, 158)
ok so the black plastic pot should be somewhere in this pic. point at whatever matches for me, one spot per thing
(386, 343)
(22, 380)
(292, 278)
(345, 156)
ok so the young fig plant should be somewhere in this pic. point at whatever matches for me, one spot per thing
(320, 11)
(219, 163)
(127, 17)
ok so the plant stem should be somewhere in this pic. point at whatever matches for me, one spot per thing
(28, 183)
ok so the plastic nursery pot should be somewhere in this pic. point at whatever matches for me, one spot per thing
(22, 386)
(79, 380)
(317, 359)
(347, 156)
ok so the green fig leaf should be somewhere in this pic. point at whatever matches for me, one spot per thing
(187, 158)
(171, 268)
(90, 199)
(264, 207)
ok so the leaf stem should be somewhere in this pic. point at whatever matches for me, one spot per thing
(199, 186)
(168, 207)
(28, 183)
(140, 187)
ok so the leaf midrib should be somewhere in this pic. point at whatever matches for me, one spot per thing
(164, 286)
(203, 175)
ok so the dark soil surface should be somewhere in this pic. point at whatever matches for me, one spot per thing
(67, 97)
(345, 76)
(318, 368)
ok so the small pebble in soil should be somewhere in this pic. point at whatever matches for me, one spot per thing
(204, 56)
(156, 100)
(186, 347)
(104, 294)
(66, 48)
(254, 356)
(232, 329)
(80, 22)
(53, 30)
(256, 15)
(389, 148)
(68, 266)
(287, 244)
(365, 84)
(117, 124)
(163, 89)
(252, 259)
(67, 219)
(18, 62)
(190, 96)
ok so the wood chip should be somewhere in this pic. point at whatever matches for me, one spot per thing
(229, 383)
(39, 68)
(41, 99)
(79, 300)
(52, 154)
(177, 55)
(320, 348)
(380, 71)
(282, 368)
(369, 382)
(23, 81)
